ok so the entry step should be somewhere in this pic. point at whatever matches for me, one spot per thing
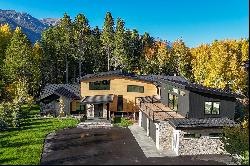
(94, 125)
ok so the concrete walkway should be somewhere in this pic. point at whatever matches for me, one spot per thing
(147, 144)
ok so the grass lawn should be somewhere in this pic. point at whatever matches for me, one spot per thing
(24, 146)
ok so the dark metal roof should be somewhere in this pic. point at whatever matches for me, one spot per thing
(50, 89)
(64, 92)
(118, 73)
(167, 78)
(201, 123)
(176, 80)
(100, 74)
(98, 99)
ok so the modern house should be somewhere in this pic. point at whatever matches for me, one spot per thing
(178, 115)
(114, 93)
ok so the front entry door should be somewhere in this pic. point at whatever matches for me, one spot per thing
(98, 110)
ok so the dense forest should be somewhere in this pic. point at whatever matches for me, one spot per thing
(72, 48)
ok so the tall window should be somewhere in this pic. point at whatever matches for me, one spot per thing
(135, 88)
(100, 85)
(120, 103)
(172, 102)
(158, 91)
(212, 108)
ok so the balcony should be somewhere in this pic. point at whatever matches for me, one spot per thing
(155, 110)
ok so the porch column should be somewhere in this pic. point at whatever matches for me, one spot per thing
(90, 110)
(157, 135)
(140, 117)
(147, 127)
(108, 112)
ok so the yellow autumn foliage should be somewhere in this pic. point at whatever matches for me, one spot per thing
(221, 64)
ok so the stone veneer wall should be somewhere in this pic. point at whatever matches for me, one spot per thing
(165, 135)
(202, 145)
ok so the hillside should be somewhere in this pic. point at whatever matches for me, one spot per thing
(31, 26)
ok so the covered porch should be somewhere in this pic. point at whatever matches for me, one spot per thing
(98, 106)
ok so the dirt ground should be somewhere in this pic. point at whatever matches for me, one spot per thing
(114, 146)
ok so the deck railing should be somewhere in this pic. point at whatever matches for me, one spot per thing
(153, 113)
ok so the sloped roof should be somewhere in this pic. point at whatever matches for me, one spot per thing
(200, 123)
(159, 79)
(64, 92)
(60, 89)
(117, 73)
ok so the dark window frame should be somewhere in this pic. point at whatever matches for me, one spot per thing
(82, 107)
(216, 135)
(191, 135)
(134, 88)
(102, 86)
(119, 103)
(175, 101)
(212, 108)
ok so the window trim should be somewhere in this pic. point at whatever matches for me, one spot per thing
(99, 81)
(216, 137)
(196, 135)
(135, 86)
(212, 107)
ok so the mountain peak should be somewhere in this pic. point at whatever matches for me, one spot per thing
(31, 26)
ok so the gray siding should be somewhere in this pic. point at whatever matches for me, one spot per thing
(144, 121)
(197, 105)
(152, 130)
(183, 101)
(192, 105)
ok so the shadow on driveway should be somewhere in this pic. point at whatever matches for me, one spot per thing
(113, 146)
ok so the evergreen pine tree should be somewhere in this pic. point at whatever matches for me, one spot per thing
(107, 38)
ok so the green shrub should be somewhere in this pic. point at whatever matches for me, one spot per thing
(245, 158)
(122, 121)
(9, 113)
(236, 141)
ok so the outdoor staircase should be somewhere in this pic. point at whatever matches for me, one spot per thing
(88, 124)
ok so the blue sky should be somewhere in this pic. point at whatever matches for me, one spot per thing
(195, 21)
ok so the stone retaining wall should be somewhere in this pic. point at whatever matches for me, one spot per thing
(202, 145)
(165, 135)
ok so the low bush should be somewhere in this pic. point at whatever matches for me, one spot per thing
(122, 121)
(9, 113)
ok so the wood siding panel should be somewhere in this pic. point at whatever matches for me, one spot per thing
(118, 86)
(73, 105)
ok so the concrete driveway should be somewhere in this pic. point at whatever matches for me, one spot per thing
(111, 146)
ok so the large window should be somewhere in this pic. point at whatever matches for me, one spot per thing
(80, 107)
(100, 85)
(135, 88)
(172, 102)
(212, 108)
(172, 89)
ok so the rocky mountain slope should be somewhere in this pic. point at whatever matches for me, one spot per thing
(31, 26)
